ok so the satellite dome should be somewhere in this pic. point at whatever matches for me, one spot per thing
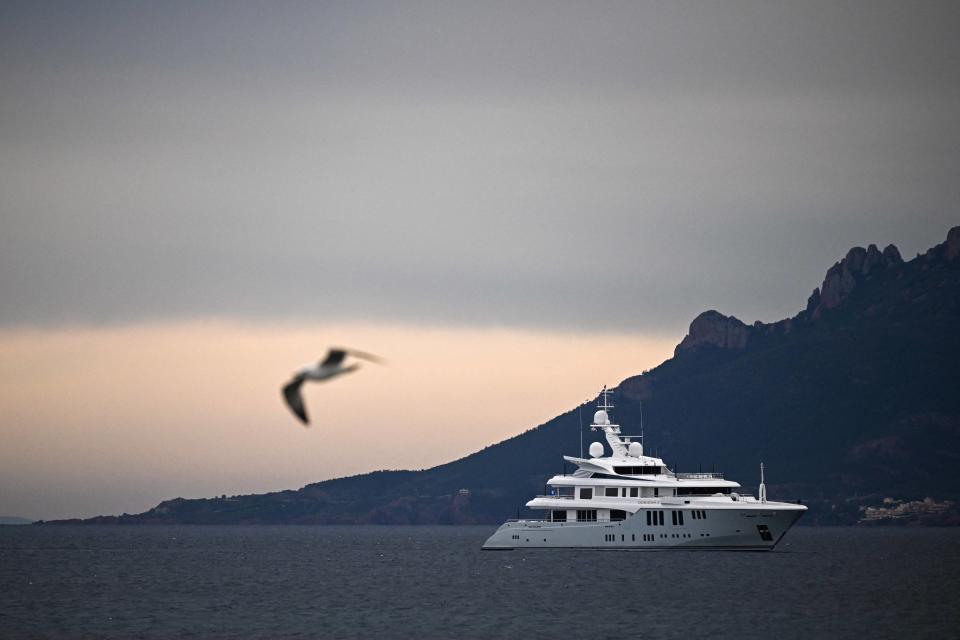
(596, 450)
(636, 449)
(601, 417)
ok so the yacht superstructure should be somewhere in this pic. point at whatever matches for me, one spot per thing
(629, 500)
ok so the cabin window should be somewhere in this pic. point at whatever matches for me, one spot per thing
(637, 471)
(586, 494)
(673, 517)
(610, 492)
(617, 514)
(680, 517)
(649, 518)
(656, 492)
(560, 515)
(586, 515)
(661, 517)
(634, 492)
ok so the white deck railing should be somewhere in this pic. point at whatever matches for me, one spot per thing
(608, 498)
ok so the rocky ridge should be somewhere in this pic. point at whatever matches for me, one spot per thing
(841, 280)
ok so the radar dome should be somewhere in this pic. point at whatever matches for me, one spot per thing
(596, 450)
(636, 449)
(601, 417)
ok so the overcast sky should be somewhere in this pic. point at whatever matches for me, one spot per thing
(468, 163)
(564, 183)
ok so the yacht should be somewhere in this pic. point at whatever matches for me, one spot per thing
(629, 500)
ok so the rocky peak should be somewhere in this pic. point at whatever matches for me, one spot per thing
(843, 276)
(891, 255)
(714, 328)
(727, 332)
(953, 244)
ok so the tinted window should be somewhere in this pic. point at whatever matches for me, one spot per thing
(586, 494)
(586, 515)
(637, 471)
(611, 492)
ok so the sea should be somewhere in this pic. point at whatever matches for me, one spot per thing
(389, 582)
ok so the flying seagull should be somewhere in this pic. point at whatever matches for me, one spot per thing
(330, 367)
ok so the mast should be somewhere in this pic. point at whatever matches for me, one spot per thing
(763, 486)
(641, 424)
(605, 399)
(581, 430)
(601, 420)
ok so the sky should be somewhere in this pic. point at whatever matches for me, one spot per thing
(514, 203)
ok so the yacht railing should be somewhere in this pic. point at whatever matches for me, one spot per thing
(562, 522)
(607, 498)
(699, 475)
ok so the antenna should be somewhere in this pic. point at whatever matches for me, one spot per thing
(763, 486)
(604, 399)
(642, 441)
(581, 431)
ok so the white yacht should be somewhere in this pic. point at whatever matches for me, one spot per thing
(629, 500)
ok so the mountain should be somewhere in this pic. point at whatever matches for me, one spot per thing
(854, 400)
(14, 520)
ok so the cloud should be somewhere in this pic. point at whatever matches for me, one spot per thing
(498, 165)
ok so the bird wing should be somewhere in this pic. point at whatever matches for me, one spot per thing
(334, 357)
(365, 356)
(291, 393)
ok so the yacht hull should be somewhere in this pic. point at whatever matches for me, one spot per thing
(747, 529)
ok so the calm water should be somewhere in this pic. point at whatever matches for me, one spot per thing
(434, 582)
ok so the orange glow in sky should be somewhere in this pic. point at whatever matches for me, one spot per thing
(116, 419)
